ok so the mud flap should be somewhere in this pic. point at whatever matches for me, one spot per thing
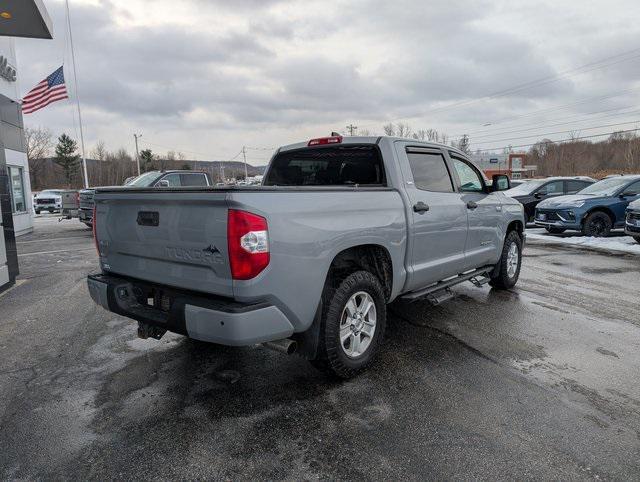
(309, 340)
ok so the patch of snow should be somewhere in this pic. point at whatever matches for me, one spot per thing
(615, 242)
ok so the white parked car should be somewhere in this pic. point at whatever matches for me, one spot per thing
(48, 200)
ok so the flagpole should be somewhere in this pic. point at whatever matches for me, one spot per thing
(75, 80)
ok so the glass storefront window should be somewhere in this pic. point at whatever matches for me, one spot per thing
(18, 202)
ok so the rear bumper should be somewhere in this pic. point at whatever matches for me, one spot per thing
(85, 215)
(206, 318)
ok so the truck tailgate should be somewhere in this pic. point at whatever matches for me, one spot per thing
(172, 238)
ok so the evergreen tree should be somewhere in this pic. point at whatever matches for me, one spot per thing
(67, 158)
(147, 160)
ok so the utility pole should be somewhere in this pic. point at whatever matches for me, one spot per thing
(136, 136)
(222, 172)
(244, 155)
(352, 129)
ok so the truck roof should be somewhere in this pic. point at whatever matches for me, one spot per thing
(373, 140)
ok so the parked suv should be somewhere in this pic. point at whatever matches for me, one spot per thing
(48, 200)
(148, 179)
(308, 261)
(632, 221)
(595, 210)
(532, 192)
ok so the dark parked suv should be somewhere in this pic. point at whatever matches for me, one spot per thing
(595, 210)
(632, 222)
(530, 193)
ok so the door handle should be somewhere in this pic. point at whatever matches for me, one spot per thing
(420, 207)
(472, 205)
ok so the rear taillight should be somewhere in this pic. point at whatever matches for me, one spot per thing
(248, 242)
(93, 228)
(321, 141)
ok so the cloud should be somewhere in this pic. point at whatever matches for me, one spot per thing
(256, 71)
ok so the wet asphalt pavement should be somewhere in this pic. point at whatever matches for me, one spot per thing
(542, 382)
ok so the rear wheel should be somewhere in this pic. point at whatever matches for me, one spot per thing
(37, 211)
(637, 238)
(597, 224)
(353, 324)
(507, 271)
(555, 230)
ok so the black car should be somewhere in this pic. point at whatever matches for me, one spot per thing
(530, 193)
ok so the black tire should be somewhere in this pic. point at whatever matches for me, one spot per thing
(37, 211)
(500, 278)
(51, 211)
(332, 357)
(597, 224)
(555, 230)
(89, 225)
(637, 238)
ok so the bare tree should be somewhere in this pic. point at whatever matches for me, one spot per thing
(100, 151)
(39, 145)
(389, 129)
(403, 130)
(463, 144)
(632, 153)
(420, 134)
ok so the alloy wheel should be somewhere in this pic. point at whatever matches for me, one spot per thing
(357, 324)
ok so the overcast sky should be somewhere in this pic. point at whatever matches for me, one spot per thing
(205, 77)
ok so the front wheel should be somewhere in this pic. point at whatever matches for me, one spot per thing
(353, 324)
(507, 271)
(597, 224)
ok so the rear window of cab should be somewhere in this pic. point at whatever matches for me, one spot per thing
(328, 166)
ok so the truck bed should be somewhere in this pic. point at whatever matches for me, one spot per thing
(178, 237)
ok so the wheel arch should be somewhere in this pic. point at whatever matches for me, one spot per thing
(517, 226)
(374, 258)
(600, 209)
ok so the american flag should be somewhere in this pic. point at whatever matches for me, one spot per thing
(49, 90)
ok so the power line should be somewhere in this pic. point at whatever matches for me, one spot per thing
(556, 142)
(547, 110)
(557, 132)
(591, 66)
(554, 125)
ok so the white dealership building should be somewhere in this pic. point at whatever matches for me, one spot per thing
(18, 18)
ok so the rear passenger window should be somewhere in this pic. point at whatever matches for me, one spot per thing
(195, 179)
(554, 187)
(173, 179)
(430, 172)
(575, 186)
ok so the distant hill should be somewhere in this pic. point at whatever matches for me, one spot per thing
(46, 174)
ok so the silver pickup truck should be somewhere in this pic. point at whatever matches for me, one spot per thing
(308, 261)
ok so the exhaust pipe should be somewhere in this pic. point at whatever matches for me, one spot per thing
(285, 345)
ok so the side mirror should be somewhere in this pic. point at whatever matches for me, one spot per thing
(162, 183)
(500, 182)
(538, 195)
